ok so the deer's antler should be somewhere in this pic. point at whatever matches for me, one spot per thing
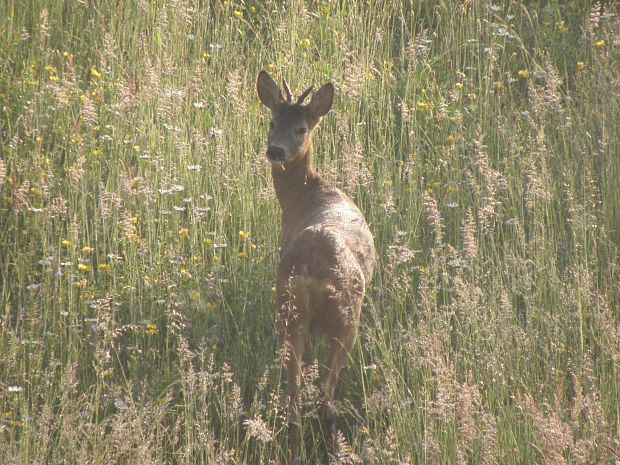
(287, 89)
(305, 93)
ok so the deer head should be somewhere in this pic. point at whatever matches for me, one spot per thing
(292, 124)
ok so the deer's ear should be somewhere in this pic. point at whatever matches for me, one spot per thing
(322, 100)
(268, 91)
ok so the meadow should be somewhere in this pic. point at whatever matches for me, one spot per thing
(139, 229)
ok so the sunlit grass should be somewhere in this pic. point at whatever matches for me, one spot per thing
(139, 230)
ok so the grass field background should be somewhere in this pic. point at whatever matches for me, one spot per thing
(139, 229)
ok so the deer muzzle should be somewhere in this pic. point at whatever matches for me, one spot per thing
(275, 154)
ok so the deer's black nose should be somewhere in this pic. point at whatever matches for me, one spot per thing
(275, 153)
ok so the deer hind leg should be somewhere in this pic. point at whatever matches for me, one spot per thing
(340, 349)
(296, 344)
(309, 354)
(348, 306)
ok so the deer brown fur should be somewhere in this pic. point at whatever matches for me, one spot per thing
(327, 255)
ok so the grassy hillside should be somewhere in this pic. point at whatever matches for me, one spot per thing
(139, 229)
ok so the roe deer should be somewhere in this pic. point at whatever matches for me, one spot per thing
(327, 256)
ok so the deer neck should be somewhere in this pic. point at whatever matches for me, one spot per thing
(292, 181)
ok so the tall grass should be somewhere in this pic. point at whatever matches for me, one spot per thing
(139, 229)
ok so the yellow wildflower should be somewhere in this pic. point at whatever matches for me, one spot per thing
(523, 73)
(459, 85)
(87, 249)
(244, 235)
(65, 243)
(600, 43)
(94, 73)
(134, 238)
(211, 306)
(561, 26)
(243, 255)
(83, 267)
(238, 14)
(305, 43)
(183, 233)
(580, 65)
(151, 329)
(103, 267)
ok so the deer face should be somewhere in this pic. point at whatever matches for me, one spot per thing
(292, 124)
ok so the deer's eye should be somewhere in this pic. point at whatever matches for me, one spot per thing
(302, 130)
